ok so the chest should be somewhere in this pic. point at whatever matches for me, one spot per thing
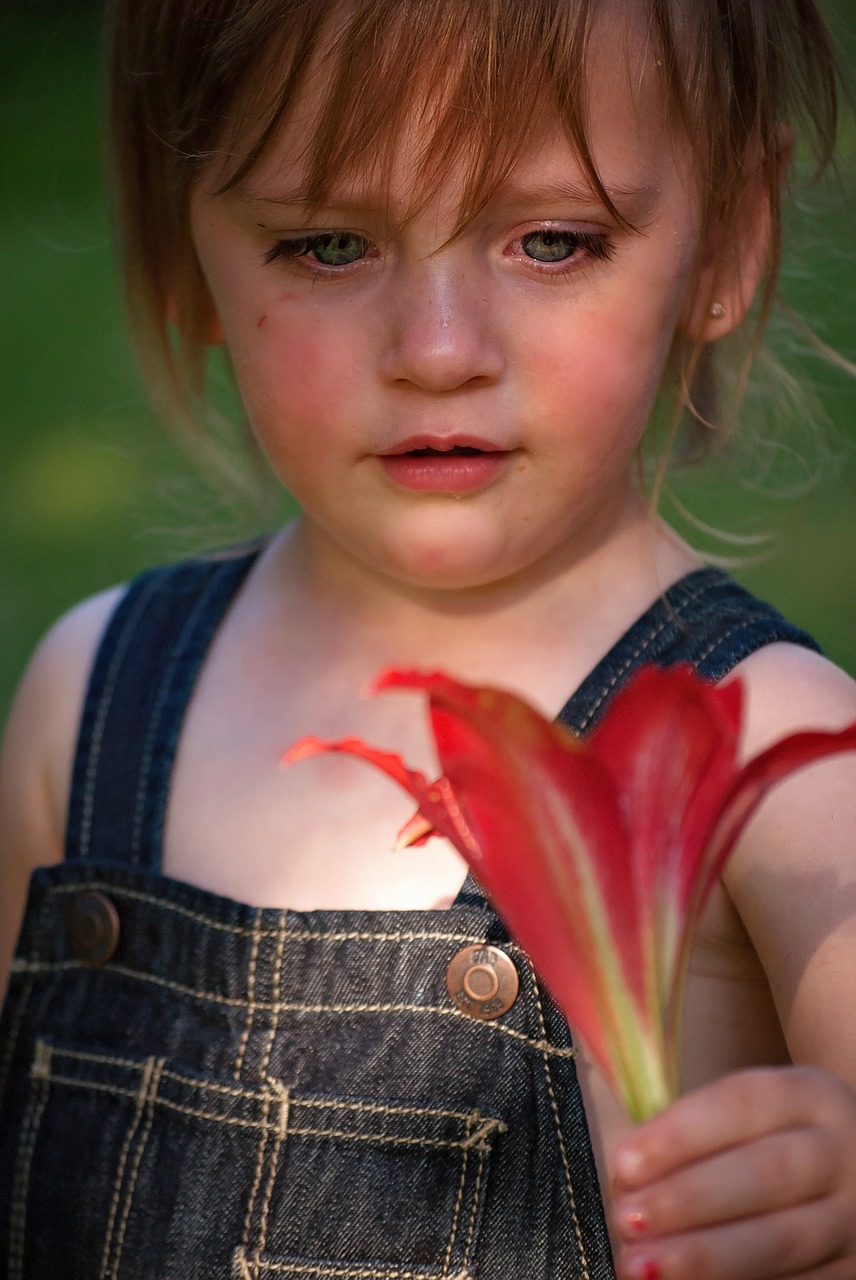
(319, 835)
(316, 835)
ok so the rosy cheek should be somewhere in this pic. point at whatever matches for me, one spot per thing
(610, 363)
(294, 372)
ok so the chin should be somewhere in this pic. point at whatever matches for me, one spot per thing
(451, 568)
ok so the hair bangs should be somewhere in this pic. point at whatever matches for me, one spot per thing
(474, 81)
(202, 87)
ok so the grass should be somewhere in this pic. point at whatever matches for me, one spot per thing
(92, 490)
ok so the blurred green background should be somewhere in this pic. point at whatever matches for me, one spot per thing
(91, 489)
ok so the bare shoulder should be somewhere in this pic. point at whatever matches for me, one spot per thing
(793, 876)
(37, 753)
(791, 688)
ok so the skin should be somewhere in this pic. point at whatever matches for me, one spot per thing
(752, 1174)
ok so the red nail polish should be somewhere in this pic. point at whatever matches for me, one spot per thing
(637, 1222)
(649, 1269)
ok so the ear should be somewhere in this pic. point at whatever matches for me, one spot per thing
(736, 258)
(193, 312)
(730, 273)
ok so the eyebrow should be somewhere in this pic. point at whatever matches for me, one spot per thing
(297, 199)
(633, 200)
(577, 192)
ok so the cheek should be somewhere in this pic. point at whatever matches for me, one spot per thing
(603, 370)
(293, 369)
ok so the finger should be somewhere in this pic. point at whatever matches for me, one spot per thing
(799, 1241)
(838, 1269)
(774, 1172)
(727, 1113)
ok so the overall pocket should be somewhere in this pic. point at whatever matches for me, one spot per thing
(135, 1168)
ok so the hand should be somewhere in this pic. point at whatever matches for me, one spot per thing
(752, 1177)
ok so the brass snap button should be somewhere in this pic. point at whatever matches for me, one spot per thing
(92, 927)
(482, 982)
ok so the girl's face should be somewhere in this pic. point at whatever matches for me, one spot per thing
(455, 413)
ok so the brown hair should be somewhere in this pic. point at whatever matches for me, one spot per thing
(191, 77)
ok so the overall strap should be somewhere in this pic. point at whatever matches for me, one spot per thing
(144, 673)
(706, 620)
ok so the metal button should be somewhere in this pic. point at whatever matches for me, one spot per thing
(482, 982)
(92, 927)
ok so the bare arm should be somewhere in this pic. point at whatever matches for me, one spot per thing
(753, 1177)
(793, 879)
(36, 759)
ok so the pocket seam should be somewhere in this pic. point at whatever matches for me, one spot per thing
(245, 1269)
(146, 1098)
(40, 1073)
(143, 1080)
(478, 1127)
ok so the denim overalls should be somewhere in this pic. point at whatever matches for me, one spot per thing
(192, 1088)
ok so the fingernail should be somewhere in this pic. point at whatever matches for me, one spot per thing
(629, 1163)
(645, 1269)
(636, 1222)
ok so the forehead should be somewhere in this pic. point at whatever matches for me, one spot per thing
(471, 112)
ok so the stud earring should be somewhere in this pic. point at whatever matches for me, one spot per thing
(717, 310)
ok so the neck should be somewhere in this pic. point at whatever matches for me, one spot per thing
(588, 600)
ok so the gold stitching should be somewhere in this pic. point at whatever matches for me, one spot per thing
(398, 1140)
(280, 1092)
(251, 991)
(148, 1089)
(115, 1091)
(313, 935)
(263, 1124)
(96, 741)
(476, 1193)
(282, 1127)
(376, 1108)
(486, 1129)
(554, 1106)
(355, 1273)
(542, 1046)
(27, 1145)
(141, 1095)
(240, 1267)
(41, 1066)
(82, 1055)
(19, 966)
(176, 657)
(257, 1176)
(246, 1091)
(277, 990)
(745, 625)
(646, 642)
(447, 1261)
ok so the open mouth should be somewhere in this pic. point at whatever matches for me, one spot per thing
(455, 467)
(456, 451)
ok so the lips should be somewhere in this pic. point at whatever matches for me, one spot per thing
(445, 464)
(427, 445)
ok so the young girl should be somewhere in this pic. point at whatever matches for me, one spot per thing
(456, 250)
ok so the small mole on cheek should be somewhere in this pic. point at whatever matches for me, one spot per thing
(261, 321)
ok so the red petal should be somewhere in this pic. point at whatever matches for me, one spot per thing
(670, 742)
(750, 787)
(435, 799)
(553, 849)
(416, 831)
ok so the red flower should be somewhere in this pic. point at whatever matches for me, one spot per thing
(598, 853)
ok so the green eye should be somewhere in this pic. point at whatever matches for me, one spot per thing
(550, 246)
(337, 248)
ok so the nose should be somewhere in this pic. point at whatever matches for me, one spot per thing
(440, 337)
